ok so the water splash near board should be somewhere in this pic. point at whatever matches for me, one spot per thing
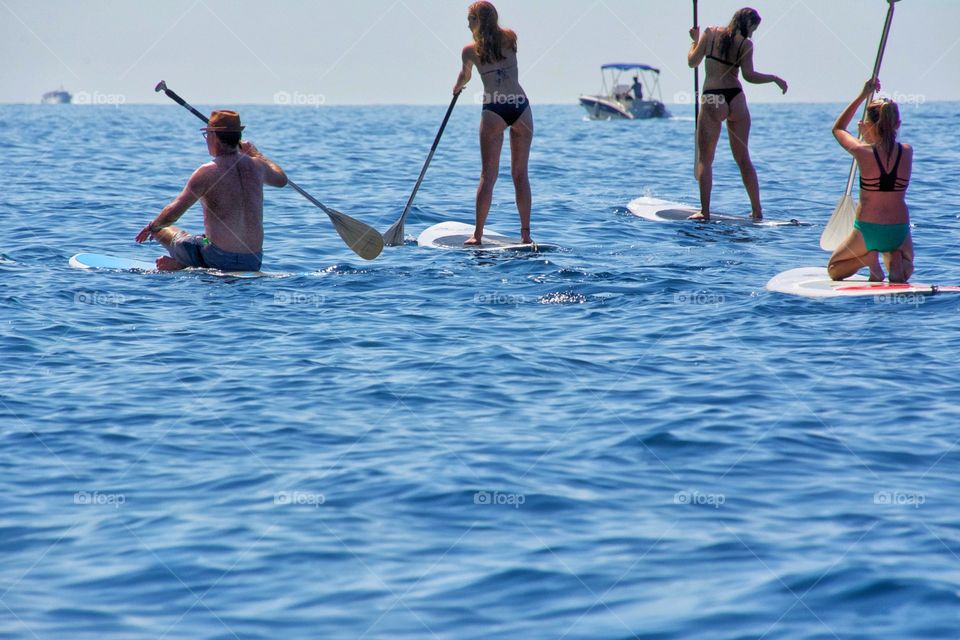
(117, 263)
(659, 210)
(452, 235)
(814, 282)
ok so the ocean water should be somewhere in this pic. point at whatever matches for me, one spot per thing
(625, 438)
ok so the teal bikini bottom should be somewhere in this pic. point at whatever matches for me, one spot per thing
(882, 237)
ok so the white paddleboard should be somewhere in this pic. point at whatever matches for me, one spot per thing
(659, 210)
(452, 235)
(813, 282)
(115, 263)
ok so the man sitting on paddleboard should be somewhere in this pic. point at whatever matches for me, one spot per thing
(231, 190)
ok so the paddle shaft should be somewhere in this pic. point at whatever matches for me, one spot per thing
(696, 76)
(433, 149)
(876, 72)
(183, 103)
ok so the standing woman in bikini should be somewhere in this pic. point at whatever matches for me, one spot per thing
(494, 53)
(727, 52)
(882, 225)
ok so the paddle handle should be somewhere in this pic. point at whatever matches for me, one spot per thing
(876, 72)
(433, 149)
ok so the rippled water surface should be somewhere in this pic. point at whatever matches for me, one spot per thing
(624, 438)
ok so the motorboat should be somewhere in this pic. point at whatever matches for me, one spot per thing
(56, 97)
(639, 100)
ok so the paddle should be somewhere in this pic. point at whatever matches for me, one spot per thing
(394, 235)
(841, 222)
(365, 241)
(696, 76)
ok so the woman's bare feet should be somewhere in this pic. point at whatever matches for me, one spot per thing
(876, 271)
(700, 215)
(897, 272)
(473, 241)
(166, 263)
(756, 216)
(525, 235)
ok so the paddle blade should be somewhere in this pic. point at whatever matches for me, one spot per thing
(394, 235)
(840, 224)
(365, 241)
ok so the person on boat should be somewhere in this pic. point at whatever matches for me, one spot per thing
(505, 106)
(882, 225)
(231, 191)
(637, 89)
(728, 51)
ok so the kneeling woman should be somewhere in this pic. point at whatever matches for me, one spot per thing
(883, 220)
(494, 53)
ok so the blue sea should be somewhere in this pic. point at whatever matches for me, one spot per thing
(627, 437)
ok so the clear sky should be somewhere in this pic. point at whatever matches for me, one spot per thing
(407, 51)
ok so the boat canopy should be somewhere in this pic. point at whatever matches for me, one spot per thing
(627, 66)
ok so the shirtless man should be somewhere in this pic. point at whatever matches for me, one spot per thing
(231, 191)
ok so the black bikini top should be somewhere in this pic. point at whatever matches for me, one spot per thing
(736, 58)
(888, 180)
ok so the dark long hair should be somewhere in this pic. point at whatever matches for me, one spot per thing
(885, 117)
(740, 24)
(490, 39)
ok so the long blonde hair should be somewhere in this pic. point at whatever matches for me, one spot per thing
(489, 38)
(884, 115)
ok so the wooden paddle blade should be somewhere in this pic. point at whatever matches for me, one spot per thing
(840, 224)
(365, 241)
(393, 236)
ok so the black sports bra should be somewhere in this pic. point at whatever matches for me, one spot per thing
(888, 180)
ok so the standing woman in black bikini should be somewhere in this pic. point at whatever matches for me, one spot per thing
(727, 52)
(494, 53)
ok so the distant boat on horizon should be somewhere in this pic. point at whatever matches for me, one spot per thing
(56, 97)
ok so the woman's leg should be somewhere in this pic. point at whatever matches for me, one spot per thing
(709, 125)
(492, 127)
(738, 129)
(851, 256)
(900, 262)
(521, 138)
